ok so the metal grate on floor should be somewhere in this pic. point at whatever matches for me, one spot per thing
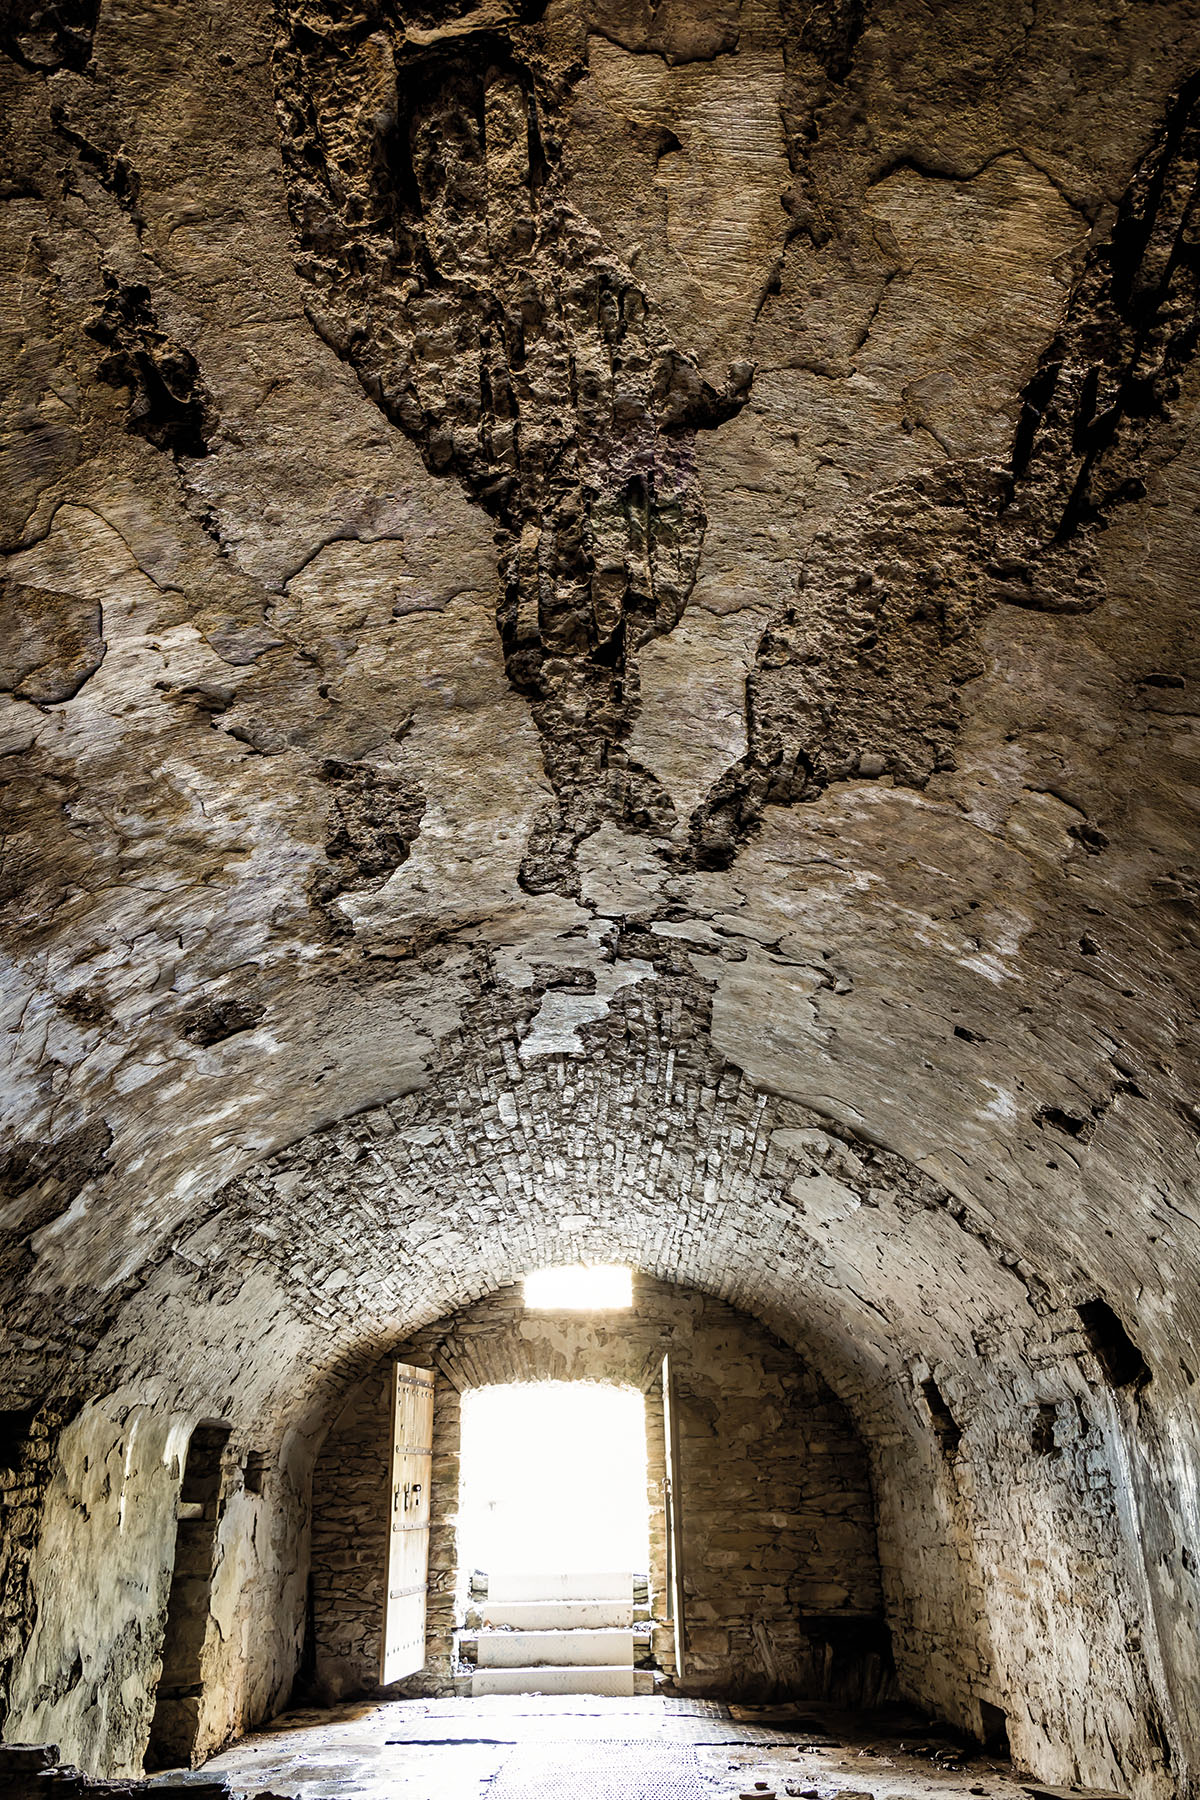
(601, 1769)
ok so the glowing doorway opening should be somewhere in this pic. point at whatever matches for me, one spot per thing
(553, 1478)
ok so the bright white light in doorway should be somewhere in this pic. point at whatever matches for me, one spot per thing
(580, 1287)
(554, 1478)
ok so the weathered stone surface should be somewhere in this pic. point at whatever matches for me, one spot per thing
(52, 643)
(601, 659)
(781, 1578)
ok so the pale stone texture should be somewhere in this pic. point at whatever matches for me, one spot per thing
(619, 686)
(781, 1582)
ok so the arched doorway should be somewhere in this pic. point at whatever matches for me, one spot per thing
(779, 1574)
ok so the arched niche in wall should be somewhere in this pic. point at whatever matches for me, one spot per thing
(175, 1726)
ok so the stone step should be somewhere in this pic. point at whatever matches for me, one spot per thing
(553, 1649)
(557, 1615)
(537, 1585)
(588, 1680)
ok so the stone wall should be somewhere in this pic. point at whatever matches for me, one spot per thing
(781, 1579)
(349, 1540)
(101, 1581)
(1014, 1535)
(628, 690)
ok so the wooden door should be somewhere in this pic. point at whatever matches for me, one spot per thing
(674, 1510)
(403, 1649)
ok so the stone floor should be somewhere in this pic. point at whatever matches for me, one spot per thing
(535, 1748)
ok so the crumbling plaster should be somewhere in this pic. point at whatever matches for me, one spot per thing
(788, 887)
(101, 1582)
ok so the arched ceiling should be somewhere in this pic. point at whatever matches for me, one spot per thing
(600, 658)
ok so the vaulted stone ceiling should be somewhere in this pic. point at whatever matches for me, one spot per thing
(598, 660)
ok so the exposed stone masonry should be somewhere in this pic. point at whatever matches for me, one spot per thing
(780, 1574)
(598, 618)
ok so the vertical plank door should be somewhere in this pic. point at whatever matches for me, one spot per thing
(674, 1500)
(403, 1647)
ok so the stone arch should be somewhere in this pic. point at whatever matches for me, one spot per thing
(781, 1573)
